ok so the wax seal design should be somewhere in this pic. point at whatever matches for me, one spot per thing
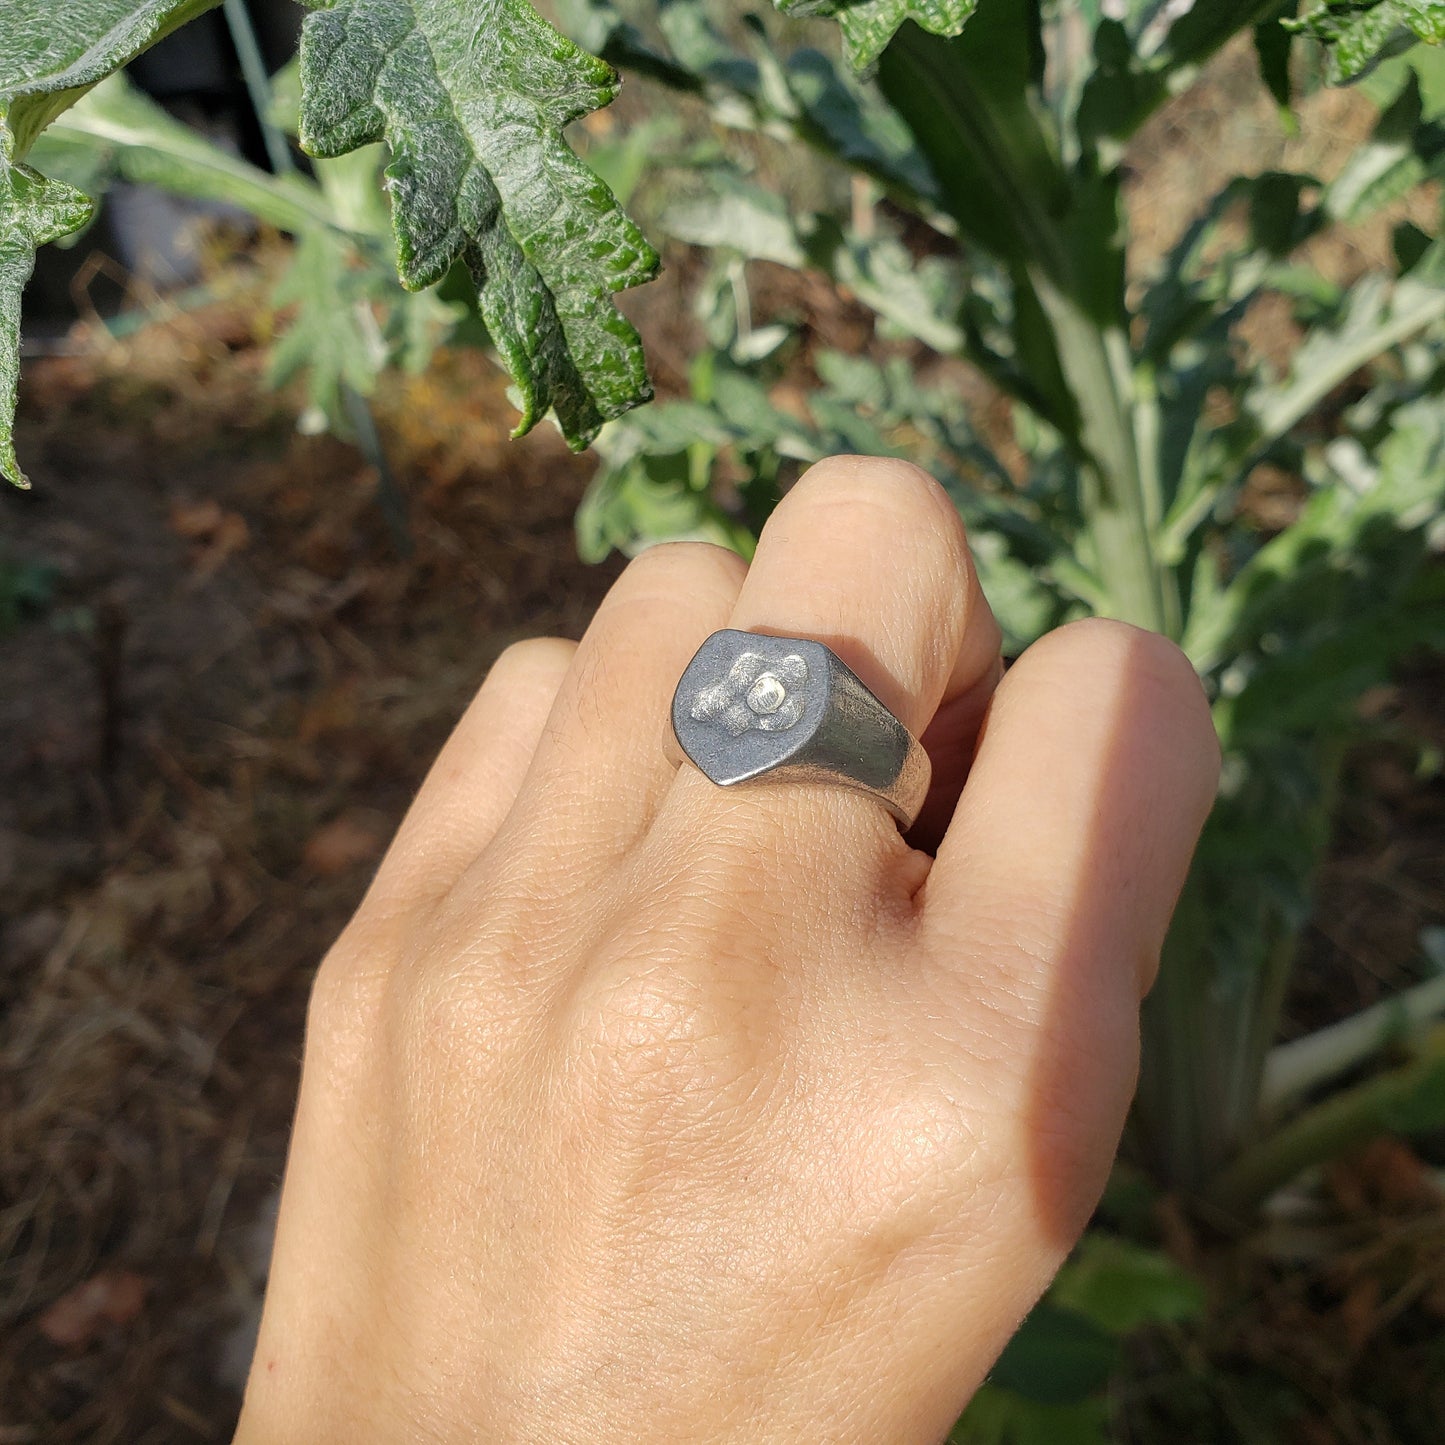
(757, 692)
(755, 708)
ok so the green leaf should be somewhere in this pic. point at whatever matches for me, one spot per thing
(333, 336)
(1122, 1286)
(844, 116)
(999, 1417)
(1272, 46)
(33, 210)
(149, 147)
(968, 103)
(1359, 33)
(1375, 316)
(868, 25)
(1332, 580)
(622, 161)
(917, 297)
(49, 57)
(51, 53)
(649, 499)
(1057, 1357)
(735, 215)
(1402, 152)
(1421, 1107)
(480, 173)
(1023, 605)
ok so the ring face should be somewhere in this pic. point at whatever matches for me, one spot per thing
(748, 703)
(757, 692)
(790, 709)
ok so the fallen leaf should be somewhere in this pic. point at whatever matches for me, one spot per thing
(1385, 1174)
(112, 1297)
(218, 533)
(342, 844)
(196, 521)
(1359, 1312)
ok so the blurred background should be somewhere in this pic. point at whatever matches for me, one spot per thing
(240, 610)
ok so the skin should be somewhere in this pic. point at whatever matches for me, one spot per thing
(636, 1109)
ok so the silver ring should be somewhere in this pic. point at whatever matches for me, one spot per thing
(790, 710)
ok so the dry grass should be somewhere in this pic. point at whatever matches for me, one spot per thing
(200, 770)
(207, 746)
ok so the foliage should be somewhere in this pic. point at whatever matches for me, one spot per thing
(1359, 32)
(1050, 1384)
(48, 59)
(975, 150)
(972, 154)
(479, 173)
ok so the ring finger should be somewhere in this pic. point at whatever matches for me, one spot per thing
(868, 556)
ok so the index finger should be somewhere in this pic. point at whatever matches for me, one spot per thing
(1048, 902)
(1096, 768)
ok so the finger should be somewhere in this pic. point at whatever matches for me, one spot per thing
(603, 759)
(952, 735)
(1052, 891)
(474, 781)
(869, 556)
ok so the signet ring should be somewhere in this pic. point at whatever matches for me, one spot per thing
(755, 708)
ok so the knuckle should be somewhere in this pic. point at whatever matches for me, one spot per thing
(690, 1030)
(530, 659)
(443, 1023)
(666, 569)
(1157, 669)
(347, 995)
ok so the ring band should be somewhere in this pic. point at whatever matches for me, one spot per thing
(750, 706)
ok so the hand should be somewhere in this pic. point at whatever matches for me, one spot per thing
(635, 1109)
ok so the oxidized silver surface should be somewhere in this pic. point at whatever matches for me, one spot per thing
(788, 710)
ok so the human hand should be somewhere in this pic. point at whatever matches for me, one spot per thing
(635, 1109)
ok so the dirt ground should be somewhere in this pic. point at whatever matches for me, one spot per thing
(209, 737)
(215, 724)
(207, 742)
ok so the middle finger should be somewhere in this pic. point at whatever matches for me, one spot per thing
(868, 556)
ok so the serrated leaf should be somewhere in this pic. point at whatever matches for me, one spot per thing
(1400, 153)
(150, 147)
(50, 53)
(332, 336)
(868, 25)
(472, 99)
(49, 56)
(1359, 33)
(33, 210)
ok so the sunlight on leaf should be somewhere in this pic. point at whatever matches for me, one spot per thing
(480, 173)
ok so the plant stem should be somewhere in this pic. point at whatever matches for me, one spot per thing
(390, 499)
(1329, 1129)
(996, 162)
(1121, 516)
(1293, 1069)
(258, 85)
